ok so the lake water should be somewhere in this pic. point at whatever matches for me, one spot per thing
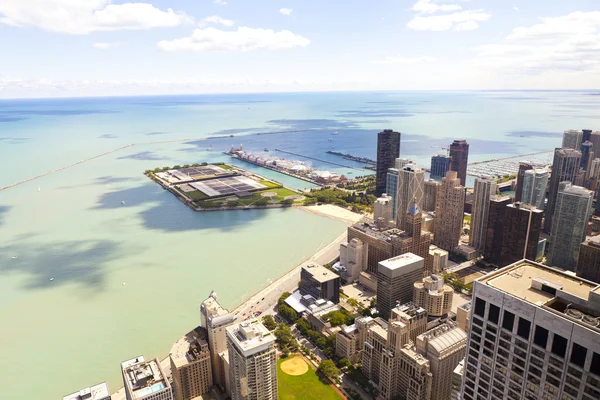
(128, 279)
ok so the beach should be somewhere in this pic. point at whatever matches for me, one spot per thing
(331, 211)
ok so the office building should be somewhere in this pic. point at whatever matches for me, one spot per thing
(383, 209)
(430, 194)
(353, 258)
(388, 149)
(495, 228)
(484, 189)
(190, 365)
(463, 316)
(391, 188)
(444, 346)
(96, 392)
(433, 295)
(449, 212)
(535, 182)
(587, 155)
(216, 319)
(533, 335)
(401, 162)
(572, 139)
(593, 175)
(439, 259)
(411, 180)
(350, 340)
(521, 233)
(320, 283)
(523, 166)
(395, 279)
(595, 139)
(571, 216)
(252, 361)
(457, 376)
(565, 167)
(459, 153)
(440, 164)
(145, 380)
(588, 264)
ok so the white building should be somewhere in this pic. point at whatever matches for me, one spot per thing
(353, 258)
(440, 258)
(145, 380)
(96, 392)
(383, 209)
(535, 182)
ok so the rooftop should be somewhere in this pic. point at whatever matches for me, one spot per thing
(96, 392)
(368, 227)
(401, 264)
(443, 337)
(190, 348)
(143, 378)
(250, 337)
(320, 273)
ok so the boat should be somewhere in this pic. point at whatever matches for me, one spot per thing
(14, 257)
(51, 279)
(335, 133)
(266, 149)
(123, 283)
(123, 202)
(231, 135)
(39, 189)
(330, 139)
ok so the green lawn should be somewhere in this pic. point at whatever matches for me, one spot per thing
(269, 184)
(224, 166)
(303, 387)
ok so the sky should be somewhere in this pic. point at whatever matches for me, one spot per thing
(57, 48)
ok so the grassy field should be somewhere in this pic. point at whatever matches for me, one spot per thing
(269, 184)
(250, 200)
(303, 387)
(224, 166)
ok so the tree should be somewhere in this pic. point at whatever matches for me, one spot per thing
(269, 322)
(284, 336)
(288, 313)
(344, 363)
(261, 202)
(287, 202)
(282, 298)
(352, 302)
(328, 368)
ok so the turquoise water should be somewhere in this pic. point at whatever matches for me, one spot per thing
(128, 279)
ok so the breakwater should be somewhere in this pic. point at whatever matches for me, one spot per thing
(316, 159)
(350, 157)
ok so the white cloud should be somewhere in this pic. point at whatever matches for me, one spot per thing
(577, 23)
(405, 60)
(85, 16)
(427, 7)
(242, 39)
(106, 45)
(462, 20)
(215, 19)
(286, 11)
(220, 2)
(516, 8)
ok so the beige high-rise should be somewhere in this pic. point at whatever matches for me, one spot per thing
(190, 365)
(449, 212)
(433, 295)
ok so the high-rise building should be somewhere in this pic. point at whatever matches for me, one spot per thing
(565, 167)
(521, 233)
(145, 380)
(215, 319)
(440, 259)
(440, 164)
(96, 392)
(352, 257)
(388, 149)
(444, 346)
(395, 279)
(391, 188)
(430, 189)
(571, 216)
(401, 162)
(588, 264)
(586, 135)
(410, 190)
(595, 139)
(593, 175)
(587, 155)
(459, 153)
(535, 182)
(572, 139)
(495, 228)
(433, 295)
(383, 208)
(523, 166)
(533, 335)
(320, 283)
(190, 365)
(449, 212)
(484, 189)
(252, 361)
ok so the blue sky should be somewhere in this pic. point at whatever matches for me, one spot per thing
(104, 47)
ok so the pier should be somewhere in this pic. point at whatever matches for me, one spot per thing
(350, 157)
(317, 159)
(281, 171)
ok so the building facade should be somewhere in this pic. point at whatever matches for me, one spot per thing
(484, 189)
(190, 366)
(145, 380)
(523, 166)
(439, 259)
(565, 167)
(383, 208)
(521, 233)
(495, 228)
(440, 164)
(449, 212)
(532, 336)
(572, 139)
(571, 216)
(395, 279)
(433, 295)
(459, 153)
(388, 149)
(391, 188)
(352, 257)
(588, 264)
(535, 183)
(430, 194)
(320, 283)
(411, 180)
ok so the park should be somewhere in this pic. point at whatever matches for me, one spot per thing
(298, 381)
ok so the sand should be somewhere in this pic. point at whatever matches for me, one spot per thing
(294, 366)
(331, 211)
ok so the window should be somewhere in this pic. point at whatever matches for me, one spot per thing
(494, 314)
(578, 354)
(595, 367)
(559, 346)
(541, 336)
(508, 320)
(524, 328)
(479, 307)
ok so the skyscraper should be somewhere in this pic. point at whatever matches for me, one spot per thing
(449, 212)
(535, 182)
(391, 188)
(431, 188)
(495, 228)
(571, 215)
(433, 295)
(572, 139)
(587, 155)
(410, 189)
(521, 233)
(252, 361)
(440, 164)
(383, 208)
(145, 380)
(395, 279)
(593, 175)
(523, 166)
(459, 153)
(485, 188)
(401, 162)
(388, 149)
(215, 319)
(565, 167)
(532, 335)
(588, 265)
(190, 365)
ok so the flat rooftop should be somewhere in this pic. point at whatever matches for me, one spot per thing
(143, 378)
(367, 226)
(320, 273)
(250, 337)
(516, 280)
(405, 263)
(189, 348)
(96, 392)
